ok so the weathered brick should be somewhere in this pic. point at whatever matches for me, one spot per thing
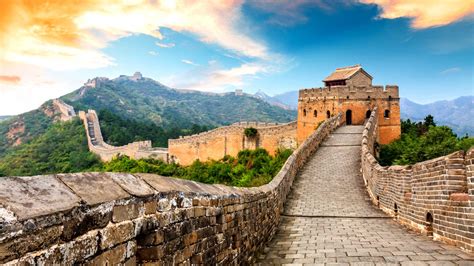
(115, 234)
(125, 212)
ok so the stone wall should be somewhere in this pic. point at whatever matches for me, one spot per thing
(315, 103)
(97, 145)
(110, 218)
(434, 197)
(229, 140)
(67, 112)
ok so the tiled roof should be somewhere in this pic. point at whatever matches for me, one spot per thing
(344, 73)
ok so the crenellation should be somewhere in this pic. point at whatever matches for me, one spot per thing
(229, 140)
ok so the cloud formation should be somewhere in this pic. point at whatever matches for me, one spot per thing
(189, 62)
(10, 79)
(165, 45)
(69, 34)
(425, 13)
(215, 78)
(450, 70)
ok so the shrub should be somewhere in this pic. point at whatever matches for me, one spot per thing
(250, 168)
(250, 132)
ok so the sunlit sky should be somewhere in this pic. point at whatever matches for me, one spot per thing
(49, 48)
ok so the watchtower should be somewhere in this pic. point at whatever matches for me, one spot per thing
(349, 90)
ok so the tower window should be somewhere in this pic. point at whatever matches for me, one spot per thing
(328, 114)
(386, 114)
(315, 113)
(347, 97)
(367, 114)
(389, 98)
(304, 112)
(368, 97)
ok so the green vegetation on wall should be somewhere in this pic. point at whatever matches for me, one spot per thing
(250, 168)
(422, 141)
(250, 132)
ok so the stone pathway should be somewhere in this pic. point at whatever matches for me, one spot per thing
(329, 219)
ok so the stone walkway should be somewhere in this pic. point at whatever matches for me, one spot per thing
(329, 219)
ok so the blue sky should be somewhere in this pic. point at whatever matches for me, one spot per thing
(252, 45)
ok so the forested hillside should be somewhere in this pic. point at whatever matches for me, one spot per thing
(146, 100)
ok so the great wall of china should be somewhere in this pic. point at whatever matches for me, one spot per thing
(97, 145)
(229, 140)
(319, 202)
(99, 218)
(433, 197)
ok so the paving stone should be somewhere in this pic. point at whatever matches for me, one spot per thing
(329, 217)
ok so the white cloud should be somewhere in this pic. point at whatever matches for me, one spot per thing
(217, 79)
(64, 36)
(165, 45)
(425, 13)
(450, 70)
(153, 53)
(189, 62)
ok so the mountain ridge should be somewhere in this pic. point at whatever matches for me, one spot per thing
(144, 100)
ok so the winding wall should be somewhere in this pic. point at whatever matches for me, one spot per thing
(107, 218)
(97, 145)
(433, 197)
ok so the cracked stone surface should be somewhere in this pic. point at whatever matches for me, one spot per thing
(329, 219)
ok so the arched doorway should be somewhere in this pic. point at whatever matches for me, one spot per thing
(349, 117)
(367, 114)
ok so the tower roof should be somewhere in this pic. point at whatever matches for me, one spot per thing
(344, 73)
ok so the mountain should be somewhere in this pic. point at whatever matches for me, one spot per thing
(4, 117)
(271, 100)
(457, 114)
(144, 99)
(147, 106)
(287, 100)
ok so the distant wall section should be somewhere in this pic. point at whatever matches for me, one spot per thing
(97, 145)
(229, 140)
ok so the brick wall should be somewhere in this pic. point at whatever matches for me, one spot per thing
(316, 102)
(434, 197)
(229, 140)
(112, 218)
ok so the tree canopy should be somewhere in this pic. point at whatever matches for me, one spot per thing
(422, 141)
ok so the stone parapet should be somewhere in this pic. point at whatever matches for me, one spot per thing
(118, 218)
(433, 197)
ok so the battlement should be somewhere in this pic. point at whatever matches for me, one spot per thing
(353, 92)
(93, 83)
(229, 140)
